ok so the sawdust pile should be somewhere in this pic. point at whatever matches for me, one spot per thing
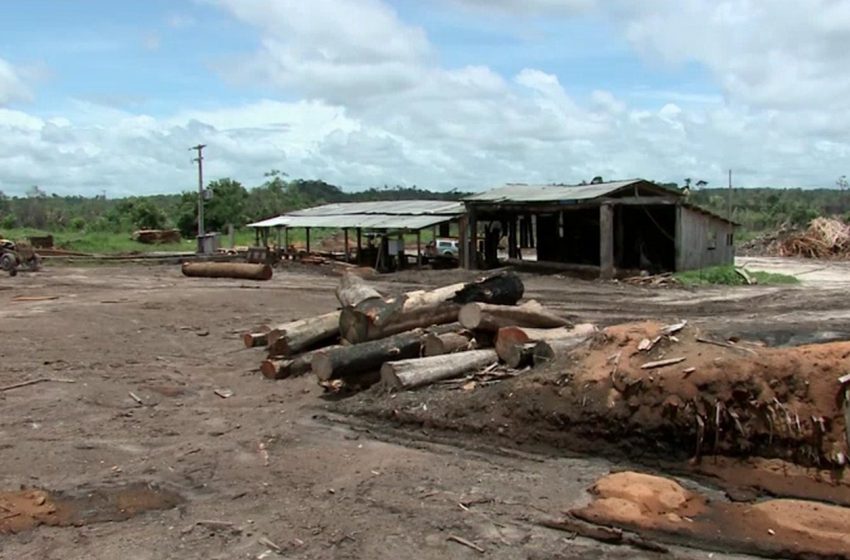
(662, 509)
(825, 238)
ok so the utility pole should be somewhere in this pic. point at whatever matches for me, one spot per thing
(200, 159)
(729, 198)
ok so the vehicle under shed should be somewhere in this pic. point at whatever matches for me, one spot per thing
(608, 229)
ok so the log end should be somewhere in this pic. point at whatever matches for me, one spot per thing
(269, 369)
(506, 339)
(389, 378)
(470, 316)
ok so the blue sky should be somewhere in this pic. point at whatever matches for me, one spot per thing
(450, 93)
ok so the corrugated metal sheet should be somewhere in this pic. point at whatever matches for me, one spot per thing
(396, 214)
(551, 193)
(386, 207)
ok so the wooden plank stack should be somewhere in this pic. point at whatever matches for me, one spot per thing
(416, 338)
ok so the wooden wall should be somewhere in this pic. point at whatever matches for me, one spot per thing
(702, 240)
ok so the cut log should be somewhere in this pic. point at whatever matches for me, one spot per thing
(246, 271)
(352, 291)
(288, 367)
(489, 317)
(407, 374)
(546, 351)
(351, 361)
(377, 318)
(507, 337)
(257, 337)
(520, 355)
(295, 337)
(448, 343)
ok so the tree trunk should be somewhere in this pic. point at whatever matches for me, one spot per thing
(407, 374)
(510, 336)
(350, 361)
(520, 355)
(547, 351)
(288, 367)
(291, 338)
(352, 291)
(247, 271)
(377, 318)
(257, 337)
(488, 317)
(448, 343)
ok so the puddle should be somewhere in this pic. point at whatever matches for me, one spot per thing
(25, 509)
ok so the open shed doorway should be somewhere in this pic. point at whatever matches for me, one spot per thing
(645, 238)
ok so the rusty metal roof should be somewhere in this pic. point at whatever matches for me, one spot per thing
(518, 192)
(386, 214)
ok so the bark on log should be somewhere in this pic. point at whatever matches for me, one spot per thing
(352, 291)
(488, 317)
(287, 367)
(448, 343)
(546, 351)
(377, 318)
(247, 271)
(510, 336)
(407, 374)
(351, 361)
(520, 355)
(295, 337)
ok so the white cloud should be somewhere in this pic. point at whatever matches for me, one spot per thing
(373, 105)
(12, 87)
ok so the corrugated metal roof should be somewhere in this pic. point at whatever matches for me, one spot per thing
(551, 193)
(385, 214)
(386, 207)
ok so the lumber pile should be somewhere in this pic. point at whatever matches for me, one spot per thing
(157, 236)
(416, 338)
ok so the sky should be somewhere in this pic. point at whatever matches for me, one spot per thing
(102, 96)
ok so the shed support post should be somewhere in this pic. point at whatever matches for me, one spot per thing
(286, 240)
(418, 248)
(512, 238)
(463, 242)
(606, 241)
(472, 257)
(359, 244)
(307, 234)
(345, 232)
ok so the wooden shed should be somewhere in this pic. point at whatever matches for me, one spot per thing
(607, 228)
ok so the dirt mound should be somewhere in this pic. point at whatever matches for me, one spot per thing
(660, 508)
(645, 391)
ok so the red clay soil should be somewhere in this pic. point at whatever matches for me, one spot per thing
(734, 400)
(662, 509)
(25, 509)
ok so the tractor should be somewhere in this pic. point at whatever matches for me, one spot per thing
(13, 257)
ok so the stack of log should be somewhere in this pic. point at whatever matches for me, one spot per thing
(418, 338)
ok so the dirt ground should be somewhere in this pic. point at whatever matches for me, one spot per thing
(271, 471)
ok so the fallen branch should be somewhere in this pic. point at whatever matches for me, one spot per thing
(726, 345)
(662, 363)
(464, 542)
(36, 381)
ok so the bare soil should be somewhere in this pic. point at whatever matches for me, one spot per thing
(277, 468)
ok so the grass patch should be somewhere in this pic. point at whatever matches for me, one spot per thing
(726, 276)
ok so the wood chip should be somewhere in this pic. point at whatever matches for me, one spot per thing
(844, 379)
(674, 328)
(644, 345)
(34, 382)
(465, 542)
(689, 371)
(662, 363)
(224, 393)
(136, 398)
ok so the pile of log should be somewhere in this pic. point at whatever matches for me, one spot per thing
(157, 236)
(417, 338)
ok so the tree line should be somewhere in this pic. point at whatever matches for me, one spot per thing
(756, 209)
(230, 202)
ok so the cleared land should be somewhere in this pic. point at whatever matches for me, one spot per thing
(186, 473)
